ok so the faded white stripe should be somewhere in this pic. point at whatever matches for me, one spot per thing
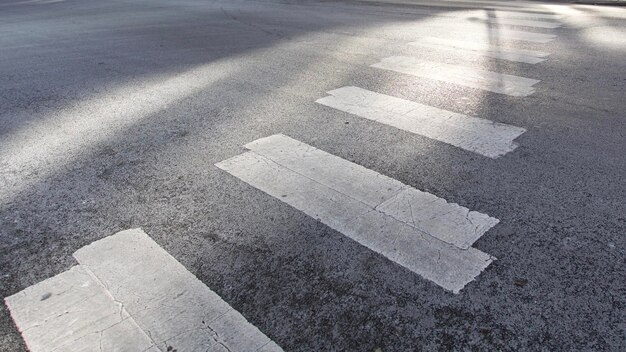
(524, 23)
(514, 14)
(502, 6)
(470, 133)
(484, 49)
(461, 75)
(517, 6)
(168, 302)
(526, 36)
(73, 312)
(370, 208)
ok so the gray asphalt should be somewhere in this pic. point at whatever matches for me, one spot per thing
(560, 279)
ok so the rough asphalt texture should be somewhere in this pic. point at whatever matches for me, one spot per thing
(559, 281)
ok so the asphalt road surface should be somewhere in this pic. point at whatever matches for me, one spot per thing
(339, 175)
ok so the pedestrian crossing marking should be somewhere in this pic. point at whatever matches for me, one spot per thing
(462, 75)
(510, 7)
(370, 208)
(130, 294)
(152, 285)
(484, 49)
(73, 312)
(514, 14)
(524, 23)
(474, 134)
(533, 37)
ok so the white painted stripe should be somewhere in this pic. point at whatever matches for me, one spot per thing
(526, 36)
(484, 15)
(366, 186)
(480, 45)
(168, 302)
(449, 222)
(484, 49)
(524, 23)
(361, 184)
(461, 75)
(73, 312)
(508, 7)
(502, 35)
(528, 15)
(470, 133)
(370, 208)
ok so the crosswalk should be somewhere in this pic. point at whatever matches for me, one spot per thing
(377, 230)
(128, 294)
(416, 229)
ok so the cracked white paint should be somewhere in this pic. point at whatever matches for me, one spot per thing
(462, 75)
(369, 207)
(73, 312)
(362, 184)
(128, 294)
(428, 213)
(168, 302)
(484, 49)
(448, 222)
(474, 134)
